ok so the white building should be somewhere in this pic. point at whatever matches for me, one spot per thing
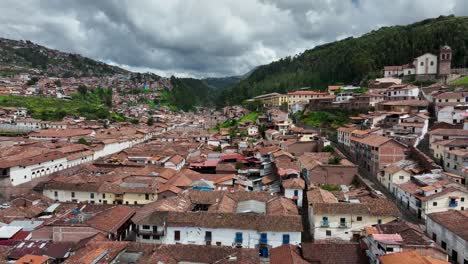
(452, 114)
(233, 221)
(449, 230)
(425, 64)
(293, 189)
(252, 130)
(431, 193)
(329, 218)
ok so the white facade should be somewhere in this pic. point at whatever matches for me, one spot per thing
(177, 167)
(344, 96)
(426, 64)
(294, 194)
(404, 92)
(252, 130)
(438, 203)
(342, 226)
(219, 236)
(450, 115)
(452, 241)
(23, 174)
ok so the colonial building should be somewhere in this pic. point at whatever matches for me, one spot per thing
(448, 229)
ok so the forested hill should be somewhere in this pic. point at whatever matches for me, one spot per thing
(355, 59)
(36, 58)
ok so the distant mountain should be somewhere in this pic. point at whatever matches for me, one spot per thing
(222, 82)
(225, 82)
(353, 60)
(26, 55)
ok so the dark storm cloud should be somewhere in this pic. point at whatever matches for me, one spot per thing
(201, 37)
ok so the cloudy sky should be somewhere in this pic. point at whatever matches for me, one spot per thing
(203, 38)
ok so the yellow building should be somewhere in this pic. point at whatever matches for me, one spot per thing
(272, 99)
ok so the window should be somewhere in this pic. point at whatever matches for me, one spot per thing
(325, 221)
(91, 195)
(263, 238)
(432, 63)
(462, 199)
(238, 237)
(55, 193)
(146, 237)
(328, 233)
(379, 221)
(434, 204)
(146, 196)
(422, 63)
(208, 236)
(73, 194)
(434, 237)
(146, 227)
(103, 196)
(285, 239)
(177, 235)
(135, 202)
(401, 177)
(359, 218)
(443, 245)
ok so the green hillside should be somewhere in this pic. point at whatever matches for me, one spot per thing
(355, 59)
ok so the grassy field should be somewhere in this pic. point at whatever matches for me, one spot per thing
(45, 108)
(324, 119)
(251, 117)
(461, 82)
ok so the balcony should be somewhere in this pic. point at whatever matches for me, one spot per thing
(151, 232)
(343, 225)
(324, 224)
(453, 204)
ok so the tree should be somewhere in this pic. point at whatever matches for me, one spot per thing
(83, 141)
(135, 121)
(82, 89)
(150, 121)
(334, 161)
(58, 83)
(328, 148)
(32, 81)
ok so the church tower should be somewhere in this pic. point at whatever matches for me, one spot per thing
(445, 60)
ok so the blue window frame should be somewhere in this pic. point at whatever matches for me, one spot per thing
(238, 237)
(453, 203)
(296, 193)
(286, 239)
(263, 238)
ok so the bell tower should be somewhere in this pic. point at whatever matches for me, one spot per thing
(445, 60)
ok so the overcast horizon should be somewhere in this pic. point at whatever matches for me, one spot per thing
(204, 38)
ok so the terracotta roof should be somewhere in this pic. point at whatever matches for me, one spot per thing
(307, 93)
(32, 259)
(453, 220)
(327, 252)
(176, 159)
(408, 257)
(318, 195)
(375, 207)
(286, 254)
(60, 133)
(111, 219)
(449, 132)
(280, 223)
(294, 183)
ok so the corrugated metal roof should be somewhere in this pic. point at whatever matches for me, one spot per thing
(251, 206)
